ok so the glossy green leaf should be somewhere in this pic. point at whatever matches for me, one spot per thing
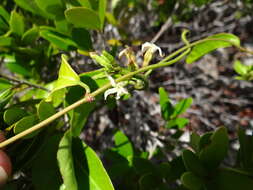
(17, 25)
(83, 17)
(216, 41)
(101, 11)
(31, 5)
(45, 172)
(123, 146)
(5, 96)
(26, 123)
(54, 8)
(181, 106)
(12, 115)
(193, 164)
(31, 35)
(61, 41)
(83, 169)
(240, 68)
(191, 181)
(45, 110)
(212, 154)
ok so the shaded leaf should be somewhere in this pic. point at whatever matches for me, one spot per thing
(191, 181)
(26, 123)
(83, 17)
(12, 115)
(54, 8)
(212, 154)
(193, 164)
(31, 35)
(45, 110)
(45, 171)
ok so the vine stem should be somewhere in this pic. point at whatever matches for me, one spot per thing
(179, 53)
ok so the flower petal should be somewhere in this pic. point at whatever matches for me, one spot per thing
(109, 92)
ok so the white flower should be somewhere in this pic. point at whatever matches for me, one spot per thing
(151, 47)
(118, 89)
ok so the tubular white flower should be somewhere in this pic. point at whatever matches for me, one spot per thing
(118, 89)
(151, 47)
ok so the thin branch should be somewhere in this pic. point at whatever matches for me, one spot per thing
(20, 81)
(177, 55)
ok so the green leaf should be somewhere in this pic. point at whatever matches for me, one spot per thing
(229, 180)
(67, 76)
(180, 122)
(4, 84)
(83, 17)
(17, 25)
(65, 162)
(5, 96)
(31, 35)
(82, 38)
(6, 41)
(191, 181)
(123, 146)
(167, 108)
(4, 14)
(18, 68)
(61, 41)
(240, 68)
(12, 115)
(101, 11)
(193, 164)
(26, 123)
(245, 152)
(181, 107)
(212, 154)
(216, 41)
(45, 110)
(45, 171)
(31, 5)
(83, 169)
(194, 141)
(54, 8)
(78, 116)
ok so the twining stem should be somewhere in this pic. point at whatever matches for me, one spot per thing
(179, 53)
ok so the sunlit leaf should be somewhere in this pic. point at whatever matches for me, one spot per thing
(83, 169)
(17, 24)
(214, 42)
